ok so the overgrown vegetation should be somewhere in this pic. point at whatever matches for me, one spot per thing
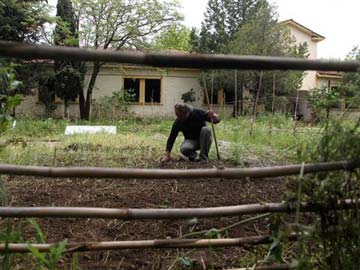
(328, 239)
(47, 145)
(251, 28)
(8, 100)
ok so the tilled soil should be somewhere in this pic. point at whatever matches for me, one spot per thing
(152, 193)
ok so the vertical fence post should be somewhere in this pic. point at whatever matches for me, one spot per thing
(212, 123)
(272, 104)
(255, 103)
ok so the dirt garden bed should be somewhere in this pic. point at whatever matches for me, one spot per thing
(152, 193)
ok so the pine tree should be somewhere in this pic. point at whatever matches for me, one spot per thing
(222, 20)
(239, 12)
(67, 79)
(213, 31)
(249, 27)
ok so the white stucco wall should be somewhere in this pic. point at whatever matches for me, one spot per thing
(174, 82)
(300, 36)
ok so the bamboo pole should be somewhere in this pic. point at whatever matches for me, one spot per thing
(126, 173)
(267, 267)
(295, 113)
(255, 103)
(235, 96)
(212, 123)
(142, 244)
(160, 213)
(212, 87)
(158, 59)
(272, 104)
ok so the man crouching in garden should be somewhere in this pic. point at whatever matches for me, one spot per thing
(191, 122)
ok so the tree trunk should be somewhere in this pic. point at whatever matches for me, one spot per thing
(85, 103)
(87, 107)
(236, 108)
(255, 103)
(82, 104)
(66, 108)
(242, 100)
(80, 86)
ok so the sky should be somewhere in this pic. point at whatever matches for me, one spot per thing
(337, 21)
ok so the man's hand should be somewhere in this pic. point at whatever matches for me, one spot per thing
(213, 117)
(166, 157)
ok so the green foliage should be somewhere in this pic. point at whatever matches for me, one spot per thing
(22, 20)
(68, 80)
(333, 241)
(75, 262)
(322, 99)
(222, 20)
(36, 128)
(140, 142)
(350, 85)
(262, 35)
(7, 102)
(66, 31)
(47, 94)
(9, 234)
(8, 82)
(257, 33)
(176, 37)
(49, 260)
(186, 262)
(118, 102)
(100, 27)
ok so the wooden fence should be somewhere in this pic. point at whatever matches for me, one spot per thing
(11, 49)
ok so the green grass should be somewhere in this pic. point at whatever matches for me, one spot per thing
(141, 143)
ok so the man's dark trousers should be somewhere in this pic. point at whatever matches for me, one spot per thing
(189, 147)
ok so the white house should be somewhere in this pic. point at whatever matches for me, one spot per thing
(156, 90)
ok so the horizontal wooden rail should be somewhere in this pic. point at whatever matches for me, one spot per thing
(267, 267)
(161, 213)
(183, 60)
(142, 244)
(97, 172)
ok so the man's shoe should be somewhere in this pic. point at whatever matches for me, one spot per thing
(203, 159)
(183, 157)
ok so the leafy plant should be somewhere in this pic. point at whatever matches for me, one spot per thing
(51, 259)
(9, 234)
(7, 101)
(323, 99)
(186, 262)
(334, 240)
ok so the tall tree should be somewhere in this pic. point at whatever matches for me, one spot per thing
(115, 24)
(350, 85)
(222, 19)
(260, 34)
(67, 78)
(239, 12)
(213, 32)
(22, 20)
(177, 37)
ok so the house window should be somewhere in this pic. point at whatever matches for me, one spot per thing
(152, 91)
(132, 86)
(144, 90)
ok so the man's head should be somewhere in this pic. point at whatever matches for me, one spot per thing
(182, 111)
